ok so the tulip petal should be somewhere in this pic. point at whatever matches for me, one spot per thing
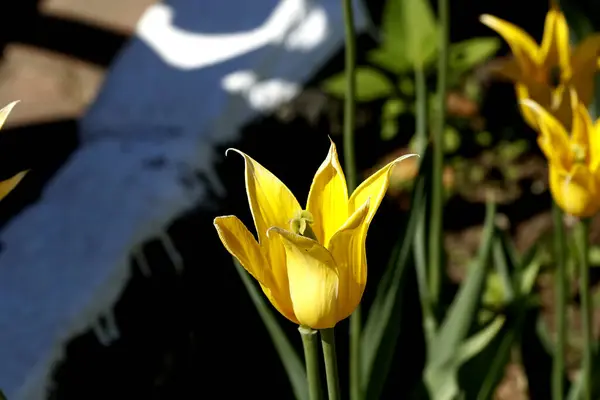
(537, 92)
(524, 48)
(374, 187)
(348, 249)
(584, 65)
(328, 198)
(595, 147)
(576, 192)
(582, 130)
(313, 277)
(5, 111)
(555, 48)
(553, 139)
(6, 186)
(241, 244)
(271, 204)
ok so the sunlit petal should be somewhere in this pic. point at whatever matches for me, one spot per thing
(523, 47)
(241, 244)
(313, 277)
(348, 249)
(271, 204)
(575, 191)
(328, 197)
(553, 138)
(584, 66)
(5, 111)
(373, 188)
(9, 184)
(555, 48)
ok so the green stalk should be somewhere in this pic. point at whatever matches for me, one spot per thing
(560, 282)
(581, 238)
(331, 367)
(311, 357)
(437, 191)
(350, 167)
(421, 110)
(349, 103)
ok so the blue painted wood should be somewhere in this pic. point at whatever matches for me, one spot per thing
(65, 259)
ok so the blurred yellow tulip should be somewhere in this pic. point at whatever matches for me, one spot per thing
(310, 263)
(9, 184)
(573, 159)
(543, 73)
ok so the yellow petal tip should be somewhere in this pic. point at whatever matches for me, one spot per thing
(531, 104)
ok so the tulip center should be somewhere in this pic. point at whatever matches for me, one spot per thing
(301, 223)
(554, 76)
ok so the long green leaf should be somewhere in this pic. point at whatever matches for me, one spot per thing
(382, 327)
(410, 31)
(289, 358)
(441, 370)
(462, 311)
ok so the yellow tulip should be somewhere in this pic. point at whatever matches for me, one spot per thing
(9, 184)
(542, 73)
(311, 263)
(573, 159)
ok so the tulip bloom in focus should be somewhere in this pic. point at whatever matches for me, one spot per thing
(9, 184)
(311, 263)
(543, 73)
(573, 160)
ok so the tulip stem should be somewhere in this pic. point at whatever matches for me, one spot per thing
(582, 240)
(560, 282)
(349, 103)
(331, 367)
(311, 358)
(437, 192)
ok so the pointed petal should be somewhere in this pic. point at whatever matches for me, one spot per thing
(6, 186)
(241, 244)
(5, 111)
(582, 129)
(348, 249)
(271, 204)
(524, 48)
(553, 139)
(555, 48)
(313, 277)
(374, 187)
(576, 192)
(541, 94)
(584, 65)
(328, 197)
(595, 148)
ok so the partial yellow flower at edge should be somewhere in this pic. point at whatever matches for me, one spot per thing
(6, 186)
(311, 263)
(573, 159)
(542, 73)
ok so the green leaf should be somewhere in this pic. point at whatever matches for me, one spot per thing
(452, 139)
(476, 343)
(289, 358)
(393, 61)
(370, 85)
(465, 55)
(442, 355)
(389, 128)
(382, 327)
(409, 28)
